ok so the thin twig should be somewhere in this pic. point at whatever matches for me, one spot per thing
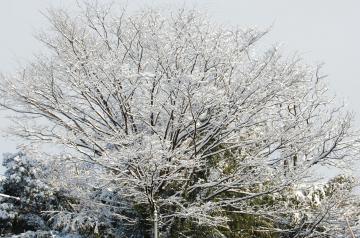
(8, 196)
(348, 225)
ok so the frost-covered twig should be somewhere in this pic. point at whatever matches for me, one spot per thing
(8, 196)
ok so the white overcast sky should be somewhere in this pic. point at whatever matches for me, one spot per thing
(321, 31)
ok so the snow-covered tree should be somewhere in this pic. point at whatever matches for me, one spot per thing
(177, 125)
(24, 195)
(36, 201)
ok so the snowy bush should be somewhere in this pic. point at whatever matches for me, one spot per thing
(26, 196)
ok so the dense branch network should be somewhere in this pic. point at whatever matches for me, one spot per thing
(178, 114)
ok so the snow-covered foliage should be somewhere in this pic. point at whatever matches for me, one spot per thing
(23, 180)
(320, 209)
(35, 203)
(170, 120)
(26, 194)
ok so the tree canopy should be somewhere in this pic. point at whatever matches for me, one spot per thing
(168, 121)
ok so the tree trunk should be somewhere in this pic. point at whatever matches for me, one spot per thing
(156, 224)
